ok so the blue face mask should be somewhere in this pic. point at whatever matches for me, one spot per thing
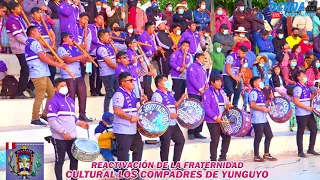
(225, 32)
(318, 65)
(261, 85)
(305, 79)
(242, 8)
(219, 12)
(261, 65)
(245, 65)
(219, 50)
(280, 36)
(181, 11)
(170, 8)
(167, 84)
(98, 8)
(293, 64)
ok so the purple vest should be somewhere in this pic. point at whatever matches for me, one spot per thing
(168, 100)
(305, 92)
(131, 53)
(261, 100)
(104, 69)
(42, 30)
(75, 66)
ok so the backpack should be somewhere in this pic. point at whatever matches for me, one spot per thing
(9, 86)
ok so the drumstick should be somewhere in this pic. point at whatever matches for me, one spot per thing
(114, 48)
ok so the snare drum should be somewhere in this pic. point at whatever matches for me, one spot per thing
(191, 113)
(85, 150)
(280, 110)
(316, 105)
(154, 119)
(235, 122)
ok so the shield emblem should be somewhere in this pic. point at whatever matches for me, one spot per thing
(24, 159)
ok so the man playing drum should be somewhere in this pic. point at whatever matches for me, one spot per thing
(125, 106)
(196, 79)
(174, 133)
(62, 120)
(215, 101)
(258, 110)
(302, 98)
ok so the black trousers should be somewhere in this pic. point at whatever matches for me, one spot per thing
(128, 142)
(303, 122)
(111, 85)
(78, 86)
(146, 86)
(24, 81)
(259, 130)
(164, 64)
(60, 149)
(94, 79)
(173, 133)
(230, 88)
(197, 130)
(52, 69)
(215, 133)
(179, 87)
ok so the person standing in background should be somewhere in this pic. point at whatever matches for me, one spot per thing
(192, 35)
(221, 17)
(27, 5)
(115, 13)
(91, 7)
(201, 16)
(167, 14)
(54, 5)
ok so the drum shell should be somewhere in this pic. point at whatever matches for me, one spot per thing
(82, 155)
(197, 119)
(316, 105)
(244, 127)
(287, 115)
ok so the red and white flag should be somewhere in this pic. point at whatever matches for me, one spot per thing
(10, 145)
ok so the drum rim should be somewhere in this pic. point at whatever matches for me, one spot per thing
(290, 110)
(157, 102)
(312, 102)
(78, 139)
(239, 110)
(193, 99)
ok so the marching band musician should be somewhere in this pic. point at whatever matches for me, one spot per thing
(107, 64)
(62, 121)
(36, 21)
(258, 110)
(179, 61)
(83, 20)
(147, 37)
(94, 79)
(196, 86)
(38, 61)
(72, 56)
(135, 70)
(192, 35)
(215, 101)
(125, 106)
(16, 28)
(174, 133)
(302, 98)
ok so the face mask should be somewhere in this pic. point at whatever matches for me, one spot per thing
(261, 65)
(245, 65)
(98, 8)
(280, 36)
(63, 90)
(318, 65)
(305, 42)
(104, 5)
(203, 7)
(242, 35)
(293, 64)
(130, 31)
(167, 84)
(219, 50)
(242, 8)
(178, 32)
(116, 3)
(185, 5)
(298, 50)
(181, 11)
(138, 5)
(116, 29)
(225, 32)
(136, 48)
(170, 9)
(206, 35)
(261, 85)
(219, 12)
(305, 79)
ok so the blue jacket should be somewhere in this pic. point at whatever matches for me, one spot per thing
(265, 45)
(255, 72)
(202, 18)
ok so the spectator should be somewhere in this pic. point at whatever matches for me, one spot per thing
(278, 81)
(288, 73)
(93, 8)
(132, 12)
(129, 31)
(313, 74)
(296, 52)
(188, 11)
(266, 48)
(278, 41)
(217, 58)
(155, 14)
(308, 59)
(294, 38)
(117, 32)
(283, 55)
(305, 44)
(242, 17)
(201, 16)
(175, 33)
(191, 35)
(27, 5)
(240, 36)
(115, 13)
(141, 19)
(316, 24)
(181, 16)
(267, 13)
(304, 24)
(246, 75)
(149, 9)
(257, 25)
(316, 46)
(221, 18)
(205, 39)
(250, 56)
(53, 5)
(167, 14)
(259, 70)
(223, 37)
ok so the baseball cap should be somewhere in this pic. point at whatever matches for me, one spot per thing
(108, 117)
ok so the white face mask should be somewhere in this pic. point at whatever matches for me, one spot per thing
(178, 32)
(104, 5)
(138, 5)
(203, 7)
(242, 35)
(116, 3)
(63, 90)
(130, 31)
(136, 48)
(305, 42)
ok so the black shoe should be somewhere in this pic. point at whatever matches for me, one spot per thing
(313, 152)
(31, 93)
(199, 136)
(190, 136)
(84, 118)
(37, 123)
(222, 159)
(94, 94)
(258, 159)
(269, 157)
(302, 155)
(21, 97)
(44, 118)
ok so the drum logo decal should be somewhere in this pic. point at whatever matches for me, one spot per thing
(190, 111)
(234, 123)
(24, 161)
(280, 107)
(316, 103)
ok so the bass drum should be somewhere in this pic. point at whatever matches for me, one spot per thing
(154, 119)
(316, 105)
(280, 110)
(85, 150)
(191, 113)
(235, 122)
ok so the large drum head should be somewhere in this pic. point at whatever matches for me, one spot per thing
(154, 119)
(280, 110)
(191, 113)
(235, 122)
(316, 105)
(85, 150)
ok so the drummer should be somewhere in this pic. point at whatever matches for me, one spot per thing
(215, 101)
(125, 106)
(62, 120)
(258, 110)
(174, 133)
(302, 98)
